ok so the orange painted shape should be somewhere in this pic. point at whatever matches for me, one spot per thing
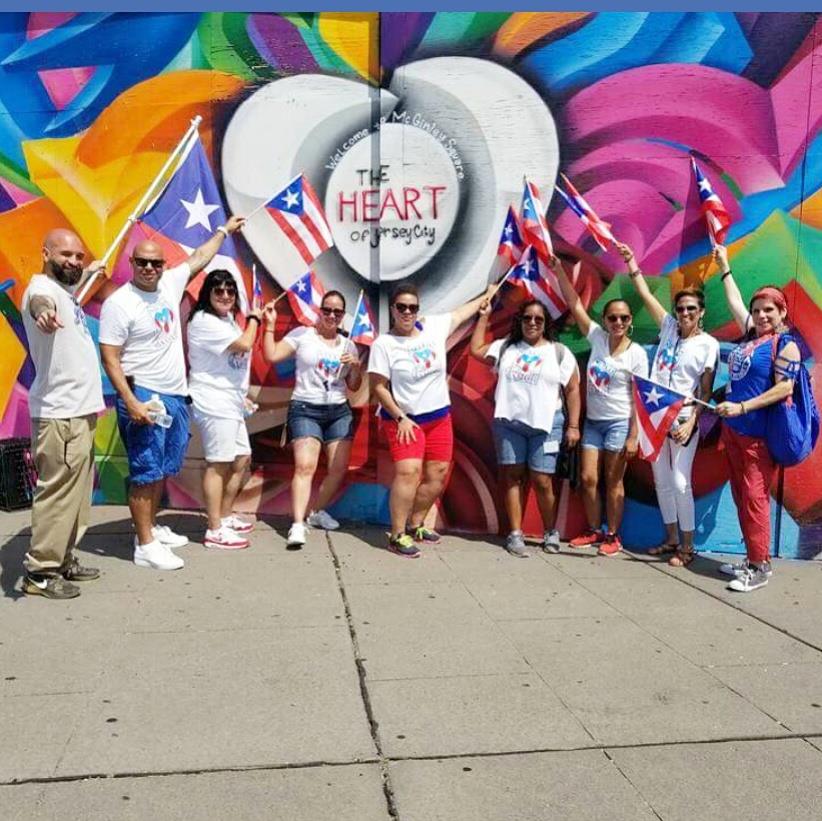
(524, 28)
(14, 355)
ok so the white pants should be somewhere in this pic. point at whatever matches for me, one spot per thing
(223, 439)
(672, 476)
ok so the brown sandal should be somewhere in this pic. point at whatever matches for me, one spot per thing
(682, 558)
(663, 549)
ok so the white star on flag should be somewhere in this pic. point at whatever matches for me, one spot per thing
(302, 285)
(198, 211)
(653, 396)
(291, 198)
(705, 185)
(508, 231)
(363, 318)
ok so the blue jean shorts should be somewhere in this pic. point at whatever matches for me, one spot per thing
(606, 434)
(154, 452)
(328, 423)
(519, 444)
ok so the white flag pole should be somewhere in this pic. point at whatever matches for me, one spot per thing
(141, 205)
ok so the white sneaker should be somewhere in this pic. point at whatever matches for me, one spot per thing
(157, 556)
(752, 578)
(296, 535)
(322, 520)
(550, 541)
(740, 568)
(237, 524)
(224, 538)
(166, 536)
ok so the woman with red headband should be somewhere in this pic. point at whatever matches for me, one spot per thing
(761, 370)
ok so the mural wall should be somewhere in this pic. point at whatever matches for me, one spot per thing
(416, 129)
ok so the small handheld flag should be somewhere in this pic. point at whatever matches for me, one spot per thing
(534, 224)
(511, 244)
(363, 330)
(716, 215)
(657, 408)
(257, 291)
(540, 283)
(305, 297)
(598, 228)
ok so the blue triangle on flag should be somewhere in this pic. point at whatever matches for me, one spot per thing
(290, 199)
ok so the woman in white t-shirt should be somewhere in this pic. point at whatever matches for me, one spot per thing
(407, 371)
(685, 361)
(610, 436)
(319, 416)
(534, 370)
(219, 366)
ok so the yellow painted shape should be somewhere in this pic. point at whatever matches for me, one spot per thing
(355, 38)
(524, 28)
(14, 355)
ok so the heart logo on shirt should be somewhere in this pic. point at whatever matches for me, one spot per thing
(328, 367)
(164, 320)
(424, 357)
(529, 361)
(599, 375)
(666, 358)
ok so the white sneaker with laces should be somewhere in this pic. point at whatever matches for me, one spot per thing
(296, 535)
(738, 569)
(224, 538)
(322, 520)
(550, 541)
(237, 524)
(752, 578)
(156, 556)
(165, 535)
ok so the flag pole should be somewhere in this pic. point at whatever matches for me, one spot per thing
(138, 210)
(502, 281)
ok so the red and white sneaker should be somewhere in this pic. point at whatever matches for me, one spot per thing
(610, 546)
(237, 524)
(224, 538)
(588, 538)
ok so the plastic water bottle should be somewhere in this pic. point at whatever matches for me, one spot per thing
(157, 412)
(250, 408)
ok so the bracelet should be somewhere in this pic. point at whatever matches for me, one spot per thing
(270, 330)
(573, 427)
(221, 229)
(255, 318)
(726, 274)
(742, 405)
(400, 418)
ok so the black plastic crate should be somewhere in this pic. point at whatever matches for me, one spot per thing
(17, 474)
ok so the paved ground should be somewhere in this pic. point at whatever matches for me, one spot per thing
(344, 683)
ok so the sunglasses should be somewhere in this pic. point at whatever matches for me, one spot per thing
(618, 317)
(337, 313)
(533, 320)
(142, 262)
(687, 309)
(224, 290)
(407, 307)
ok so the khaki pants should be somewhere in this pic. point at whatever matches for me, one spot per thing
(64, 456)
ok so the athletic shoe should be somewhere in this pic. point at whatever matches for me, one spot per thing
(423, 534)
(237, 524)
(322, 520)
(588, 538)
(610, 546)
(224, 538)
(740, 568)
(50, 587)
(166, 536)
(75, 572)
(550, 541)
(750, 579)
(157, 556)
(296, 536)
(515, 544)
(403, 545)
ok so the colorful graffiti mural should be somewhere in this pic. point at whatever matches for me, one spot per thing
(416, 130)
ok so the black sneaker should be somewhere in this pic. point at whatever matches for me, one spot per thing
(75, 572)
(51, 587)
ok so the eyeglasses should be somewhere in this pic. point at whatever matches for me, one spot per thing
(407, 307)
(618, 317)
(337, 313)
(687, 309)
(142, 262)
(224, 290)
(532, 320)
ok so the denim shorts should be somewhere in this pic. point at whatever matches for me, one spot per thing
(519, 444)
(328, 423)
(605, 434)
(154, 452)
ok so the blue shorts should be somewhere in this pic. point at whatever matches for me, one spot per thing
(606, 434)
(154, 452)
(328, 423)
(519, 444)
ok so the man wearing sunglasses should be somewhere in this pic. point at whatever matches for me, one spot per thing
(142, 351)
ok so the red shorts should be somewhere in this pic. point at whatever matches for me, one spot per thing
(434, 443)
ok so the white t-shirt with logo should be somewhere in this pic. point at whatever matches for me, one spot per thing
(217, 379)
(529, 381)
(415, 365)
(680, 363)
(320, 377)
(608, 387)
(67, 379)
(146, 324)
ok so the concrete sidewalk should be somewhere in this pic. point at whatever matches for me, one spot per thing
(342, 682)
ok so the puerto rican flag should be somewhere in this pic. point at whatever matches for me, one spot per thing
(657, 408)
(716, 215)
(298, 212)
(305, 297)
(511, 244)
(599, 229)
(530, 273)
(363, 330)
(257, 294)
(534, 224)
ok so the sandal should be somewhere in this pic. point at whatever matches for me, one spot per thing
(663, 549)
(682, 558)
